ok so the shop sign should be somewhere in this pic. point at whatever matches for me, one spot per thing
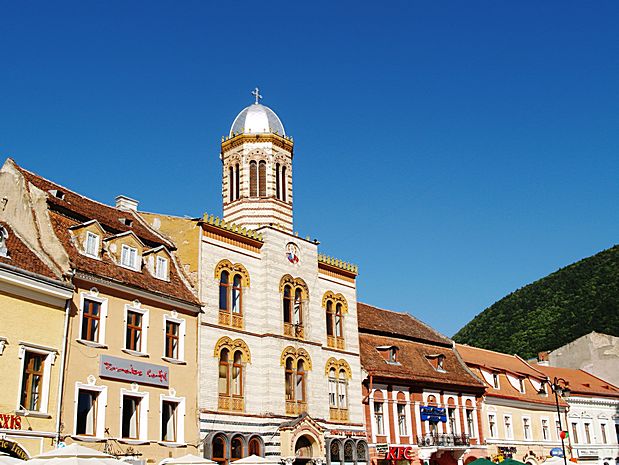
(10, 421)
(556, 452)
(13, 449)
(400, 453)
(382, 448)
(133, 371)
(433, 414)
(587, 452)
(347, 433)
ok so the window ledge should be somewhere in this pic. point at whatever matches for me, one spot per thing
(96, 345)
(135, 353)
(87, 438)
(174, 361)
(135, 442)
(172, 444)
(30, 413)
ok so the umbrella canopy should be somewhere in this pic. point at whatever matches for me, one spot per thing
(6, 459)
(553, 461)
(254, 459)
(188, 459)
(74, 455)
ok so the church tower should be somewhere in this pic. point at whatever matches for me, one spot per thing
(257, 169)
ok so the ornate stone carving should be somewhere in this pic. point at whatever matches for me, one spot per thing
(294, 282)
(296, 354)
(236, 268)
(335, 298)
(338, 365)
(233, 345)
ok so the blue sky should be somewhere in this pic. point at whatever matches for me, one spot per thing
(455, 150)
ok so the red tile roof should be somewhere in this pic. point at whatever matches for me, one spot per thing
(21, 256)
(580, 382)
(388, 322)
(496, 361)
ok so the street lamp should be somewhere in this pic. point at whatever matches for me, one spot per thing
(560, 388)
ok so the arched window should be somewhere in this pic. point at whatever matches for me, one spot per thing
(236, 448)
(278, 192)
(238, 182)
(334, 452)
(255, 447)
(237, 291)
(219, 450)
(342, 390)
(349, 447)
(262, 179)
(231, 373)
(283, 183)
(231, 184)
(224, 364)
(332, 388)
(300, 381)
(296, 362)
(232, 280)
(290, 394)
(223, 290)
(294, 293)
(335, 306)
(253, 179)
(338, 372)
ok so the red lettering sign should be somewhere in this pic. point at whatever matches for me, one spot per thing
(400, 453)
(9, 421)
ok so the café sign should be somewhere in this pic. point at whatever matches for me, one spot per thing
(133, 371)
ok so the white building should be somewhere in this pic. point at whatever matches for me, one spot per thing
(280, 373)
(593, 416)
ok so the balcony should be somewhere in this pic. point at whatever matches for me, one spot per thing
(338, 414)
(230, 319)
(294, 330)
(335, 342)
(444, 440)
(295, 407)
(234, 404)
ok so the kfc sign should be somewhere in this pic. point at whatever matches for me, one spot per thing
(400, 453)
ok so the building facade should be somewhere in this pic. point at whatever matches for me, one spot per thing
(422, 404)
(130, 384)
(279, 351)
(592, 418)
(519, 420)
(33, 313)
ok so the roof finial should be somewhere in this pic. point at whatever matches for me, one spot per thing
(256, 93)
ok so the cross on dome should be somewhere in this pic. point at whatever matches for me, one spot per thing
(256, 93)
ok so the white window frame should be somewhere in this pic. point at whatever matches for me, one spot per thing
(541, 424)
(102, 319)
(382, 414)
(180, 419)
(143, 425)
(473, 433)
(496, 426)
(511, 423)
(406, 422)
(524, 434)
(101, 404)
(145, 324)
(135, 266)
(604, 435)
(50, 358)
(181, 337)
(159, 259)
(97, 246)
(498, 380)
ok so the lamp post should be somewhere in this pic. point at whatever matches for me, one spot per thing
(559, 388)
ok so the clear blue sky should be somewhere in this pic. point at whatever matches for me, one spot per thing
(455, 150)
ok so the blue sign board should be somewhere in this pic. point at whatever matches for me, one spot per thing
(556, 452)
(433, 414)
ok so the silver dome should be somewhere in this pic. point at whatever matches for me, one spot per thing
(257, 119)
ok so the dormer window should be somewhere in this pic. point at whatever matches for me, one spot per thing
(437, 361)
(495, 380)
(521, 384)
(92, 245)
(129, 257)
(389, 353)
(161, 268)
(56, 193)
(126, 221)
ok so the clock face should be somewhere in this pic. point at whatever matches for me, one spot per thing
(292, 253)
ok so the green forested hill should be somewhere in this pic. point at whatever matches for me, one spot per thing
(548, 313)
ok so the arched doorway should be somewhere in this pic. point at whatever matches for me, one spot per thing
(304, 449)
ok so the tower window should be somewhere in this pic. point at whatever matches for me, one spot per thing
(278, 192)
(237, 190)
(253, 179)
(262, 180)
(283, 186)
(231, 184)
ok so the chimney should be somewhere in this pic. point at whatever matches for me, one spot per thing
(125, 203)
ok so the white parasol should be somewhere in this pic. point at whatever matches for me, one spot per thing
(74, 455)
(188, 459)
(6, 459)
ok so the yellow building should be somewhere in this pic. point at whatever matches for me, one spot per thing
(130, 384)
(33, 314)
